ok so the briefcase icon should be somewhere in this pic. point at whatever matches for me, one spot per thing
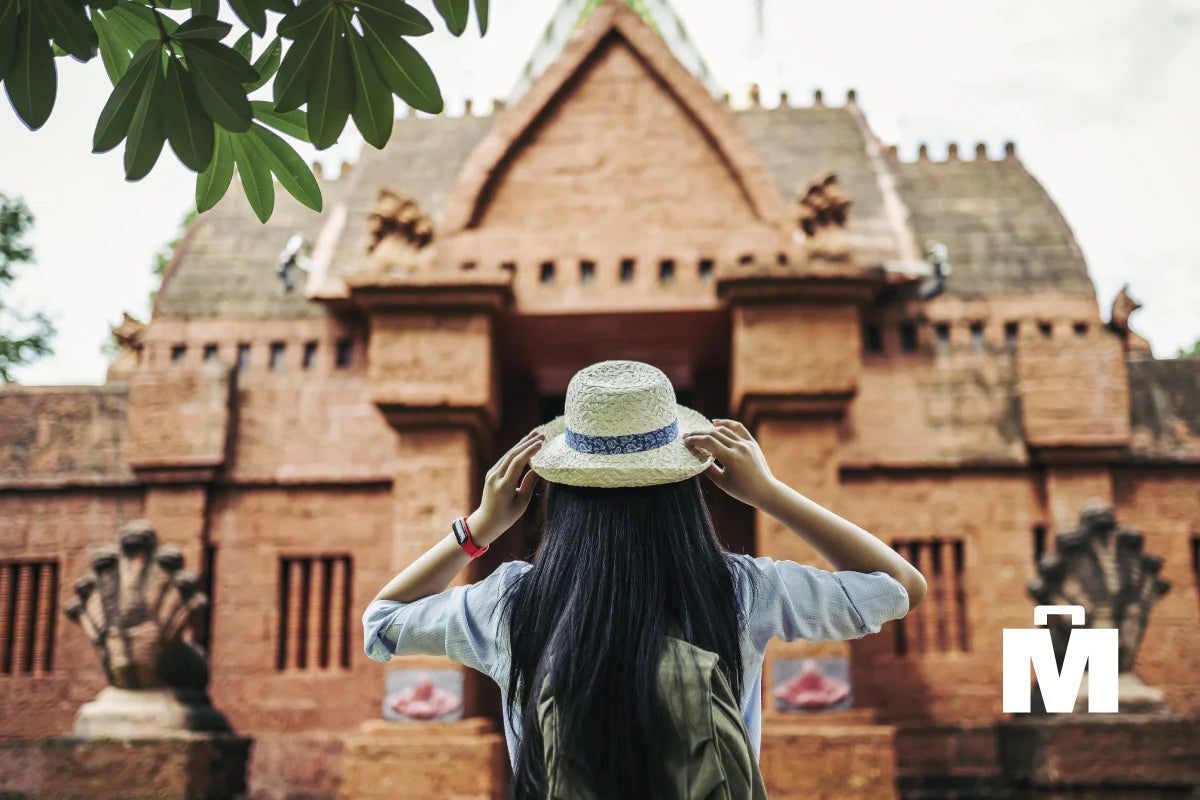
(1093, 648)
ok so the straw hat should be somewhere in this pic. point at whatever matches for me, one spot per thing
(621, 427)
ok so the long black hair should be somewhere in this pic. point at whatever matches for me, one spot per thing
(616, 570)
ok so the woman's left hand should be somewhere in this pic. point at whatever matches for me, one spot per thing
(503, 501)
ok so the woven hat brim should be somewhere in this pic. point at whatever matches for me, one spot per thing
(558, 463)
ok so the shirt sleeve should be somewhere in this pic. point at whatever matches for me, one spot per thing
(800, 601)
(462, 623)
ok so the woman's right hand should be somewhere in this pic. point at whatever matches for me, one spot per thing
(743, 473)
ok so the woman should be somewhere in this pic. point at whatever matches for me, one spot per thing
(628, 553)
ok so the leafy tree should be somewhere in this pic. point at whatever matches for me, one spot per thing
(1190, 352)
(23, 339)
(176, 80)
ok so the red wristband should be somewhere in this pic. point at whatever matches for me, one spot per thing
(462, 535)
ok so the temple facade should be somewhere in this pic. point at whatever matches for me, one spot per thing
(916, 344)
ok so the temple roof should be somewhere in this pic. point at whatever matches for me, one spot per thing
(1004, 232)
(644, 134)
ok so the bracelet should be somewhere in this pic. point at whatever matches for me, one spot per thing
(462, 534)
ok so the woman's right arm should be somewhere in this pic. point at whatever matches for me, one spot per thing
(746, 476)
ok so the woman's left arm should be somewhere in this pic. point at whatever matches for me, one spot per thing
(502, 504)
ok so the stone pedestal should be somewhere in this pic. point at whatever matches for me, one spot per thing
(148, 713)
(180, 766)
(1101, 755)
(817, 760)
(464, 760)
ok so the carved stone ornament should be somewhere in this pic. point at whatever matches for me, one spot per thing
(1101, 566)
(129, 336)
(398, 229)
(821, 213)
(138, 608)
(1123, 306)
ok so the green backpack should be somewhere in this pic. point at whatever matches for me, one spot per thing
(710, 757)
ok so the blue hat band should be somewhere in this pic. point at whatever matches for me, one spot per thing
(628, 443)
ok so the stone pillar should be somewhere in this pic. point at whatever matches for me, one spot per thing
(795, 366)
(432, 373)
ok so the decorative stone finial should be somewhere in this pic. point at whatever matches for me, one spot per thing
(128, 335)
(755, 97)
(822, 210)
(851, 97)
(1010, 149)
(980, 151)
(783, 99)
(818, 98)
(1101, 566)
(952, 152)
(468, 107)
(1123, 306)
(922, 152)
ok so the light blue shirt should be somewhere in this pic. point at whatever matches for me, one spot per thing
(794, 601)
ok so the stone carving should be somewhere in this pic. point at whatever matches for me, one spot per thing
(822, 210)
(400, 234)
(1101, 567)
(129, 336)
(1123, 306)
(138, 608)
(398, 216)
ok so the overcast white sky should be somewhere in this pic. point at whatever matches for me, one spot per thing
(1100, 97)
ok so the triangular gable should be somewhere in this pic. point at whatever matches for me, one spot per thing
(614, 39)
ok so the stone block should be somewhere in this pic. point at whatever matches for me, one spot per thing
(1101, 750)
(1074, 392)
(425, 759)
(179, 767)
(792, 350)
(831, 762)
(179, 420)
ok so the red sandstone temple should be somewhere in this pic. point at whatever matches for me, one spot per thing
(304, 426)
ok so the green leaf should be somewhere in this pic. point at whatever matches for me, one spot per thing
(401, 16)
(267, 65)
(298, 21)
(203, 27)
(279, 6)
(256, 179)
(294, 123)
(455, 14)
(294, 175)
(291, 84)
(69, 26)
(330, 88)
(481, 16)
(221, 93)
(117, 113)
(215, 53)
(189, 129)
(403, 69)
(146, 18)
(207, 8)
(32, 81)
(8, 35)
(244, 46)
(113, 53)
(374, 113)
(146, 134)
(212, 184)
(252, 13)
